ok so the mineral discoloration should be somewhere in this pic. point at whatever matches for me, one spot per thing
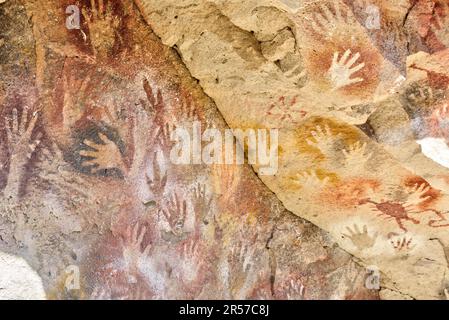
(92, 202)
(89, 196)
(386, 74)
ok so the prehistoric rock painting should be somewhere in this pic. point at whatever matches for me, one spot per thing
(90, 198)
(351, 63)
(99, 99)
(362, 125)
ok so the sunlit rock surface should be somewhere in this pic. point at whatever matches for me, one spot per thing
(90, 197)
(94, 205)
(360, 100)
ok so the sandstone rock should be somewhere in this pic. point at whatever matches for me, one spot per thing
(93, 201)
(89, 196)
(349, 140)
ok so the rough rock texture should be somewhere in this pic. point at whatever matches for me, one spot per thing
(89, 196)
(93, 202)
(362, 113)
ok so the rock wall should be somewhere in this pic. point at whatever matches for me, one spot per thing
(90, 198)
(100, 99)
(358, 90)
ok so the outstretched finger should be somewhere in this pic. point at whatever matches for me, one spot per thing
(87, 17)
(93, 163)
(355, 80)
(337, 11)
(316, 27)
(15, 121)
(141, 235)
(8, 130)
(184, 207)
(335, 58)
(357, 67)
(135, 233)
(322, 20)
(34, 145)
(104, 138)
(350, 231)
(93, 9)
(23, 121)
(353, 60)
(347, 235)
(327, 13)
(101, 11)
(32, 124)
(146, 252)
(91, 144)
(90, 154)
(345, 57)
(129, 232)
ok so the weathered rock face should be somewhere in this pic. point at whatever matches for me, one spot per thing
(90, 197)
(358, 90)
(99, 99)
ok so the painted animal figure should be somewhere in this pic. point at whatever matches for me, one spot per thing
(400, 212)
(394, 210)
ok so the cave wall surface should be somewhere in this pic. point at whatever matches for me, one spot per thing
(94, 206)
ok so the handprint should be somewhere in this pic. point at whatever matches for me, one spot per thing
(403, 244)
(201, 204)
(295, 290)
(370, 14)
(283, 110)
(225, 180)
(156, 101)
(76, 95)
(421, 97)
(165, 134)
(53, 169)
(133, 254)
(144, 134)
(191, 262)
(417, 194)
(361, 239)
(103, 26)
(323, 139)
(175, 214)
(21, 147)
(341, 71)
(19, 134)
(310, 181)
(189, 112)
(104, 156)
(331, 22)
(241, 271)
(355, 156)
(440, 26)
(352, 274)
